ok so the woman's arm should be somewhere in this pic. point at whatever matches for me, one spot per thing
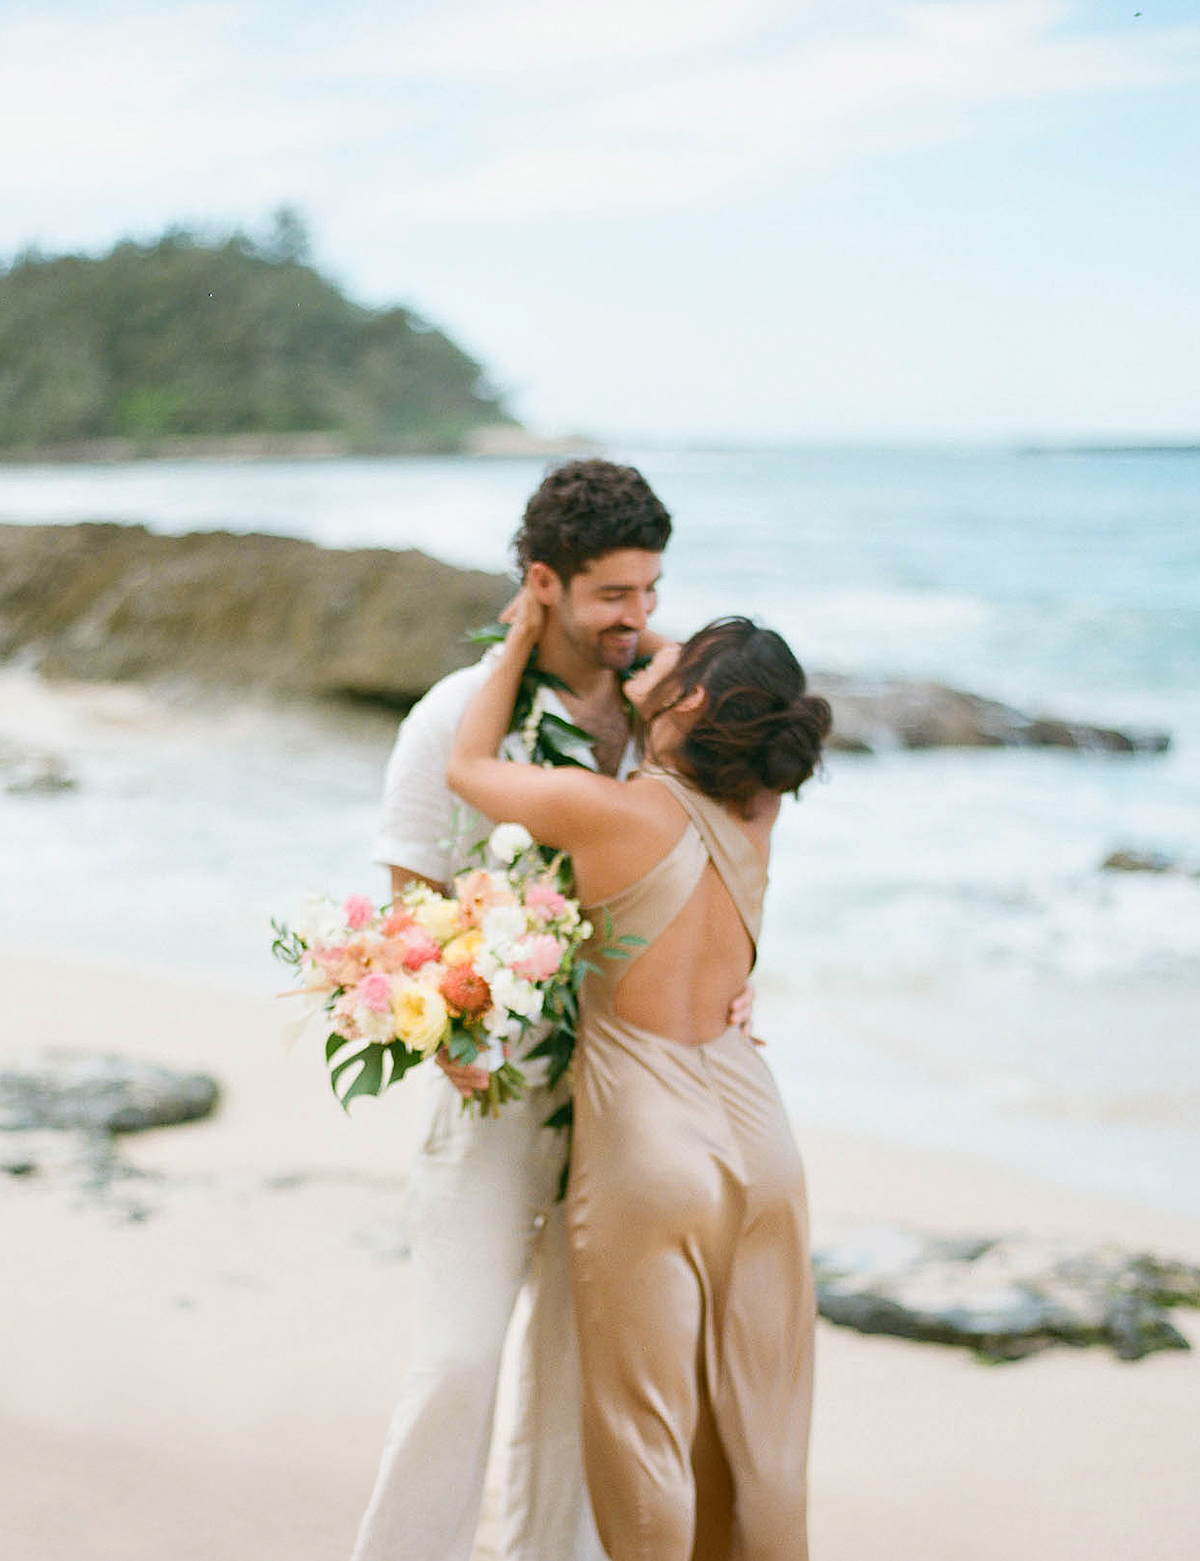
(564, 808)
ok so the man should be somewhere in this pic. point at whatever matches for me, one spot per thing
(485, 1226)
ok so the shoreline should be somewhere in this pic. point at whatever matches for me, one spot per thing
(209, 1356)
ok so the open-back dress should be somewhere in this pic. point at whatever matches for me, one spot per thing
(690, 1266)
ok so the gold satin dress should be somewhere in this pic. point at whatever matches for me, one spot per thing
(688, 1232)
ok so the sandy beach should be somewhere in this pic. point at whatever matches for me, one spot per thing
(202, 1362)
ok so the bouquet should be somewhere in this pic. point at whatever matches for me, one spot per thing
(473, 971)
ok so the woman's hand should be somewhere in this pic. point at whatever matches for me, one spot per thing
(525, 616)
(642, 685)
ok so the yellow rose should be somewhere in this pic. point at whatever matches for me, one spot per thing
(463, 949)
(439, 918)
(421, 1016)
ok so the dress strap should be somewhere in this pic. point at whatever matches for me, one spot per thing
(731, 851)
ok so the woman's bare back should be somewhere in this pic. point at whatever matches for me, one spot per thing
(682, 984)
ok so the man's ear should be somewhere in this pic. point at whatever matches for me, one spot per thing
(544, 583)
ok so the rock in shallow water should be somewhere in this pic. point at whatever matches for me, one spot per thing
(89, 1093)
(1003, 1297)
(280, 615)
(33, 771)
(906, 713)
(1130, 861)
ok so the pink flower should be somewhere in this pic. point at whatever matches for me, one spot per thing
(541, 897)
(418, 948)
(345, 966)
(538, 957)
(476, 893)
(342, 1018)
(397, 919)
(358, 911)
(374, 992)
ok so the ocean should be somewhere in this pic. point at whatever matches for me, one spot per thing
(945, 963)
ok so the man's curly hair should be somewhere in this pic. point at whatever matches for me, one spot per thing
(584, 509)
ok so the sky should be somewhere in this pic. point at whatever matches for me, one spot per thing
(708, 220)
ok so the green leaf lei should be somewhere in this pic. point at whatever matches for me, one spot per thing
(550, 740)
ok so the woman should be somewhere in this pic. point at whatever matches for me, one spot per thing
(688, 1228)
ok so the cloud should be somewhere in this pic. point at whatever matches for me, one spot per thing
(525, 38)
(926, 77)
(510, 111)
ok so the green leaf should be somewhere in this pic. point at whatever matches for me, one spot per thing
(539, 676)
(565, 728)
(370, 1077)
(334, 1045)
(544, 754)
(403, 1058)
(462, 1047)
(336, 1073)
(288, 946)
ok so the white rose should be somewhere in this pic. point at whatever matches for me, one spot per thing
(502, 925)
(373, 1026)
(320, 922)
(507, 841)
(516, 995)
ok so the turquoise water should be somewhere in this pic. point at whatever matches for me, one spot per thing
(944, 961)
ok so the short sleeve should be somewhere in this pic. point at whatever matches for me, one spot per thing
(421, 817)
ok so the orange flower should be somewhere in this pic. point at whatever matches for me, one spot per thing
(465, 991)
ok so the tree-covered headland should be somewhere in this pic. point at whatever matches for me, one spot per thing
(195, 336)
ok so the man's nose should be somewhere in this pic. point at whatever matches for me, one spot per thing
(638, 612)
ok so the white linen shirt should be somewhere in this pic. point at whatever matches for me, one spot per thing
(424, 827)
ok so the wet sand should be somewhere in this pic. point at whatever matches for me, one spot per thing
(202, 1362)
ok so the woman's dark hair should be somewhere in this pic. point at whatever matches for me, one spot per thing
(758, 728)
(585, 509)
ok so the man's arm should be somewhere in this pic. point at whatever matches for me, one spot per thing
(418, 819)
(402, 878)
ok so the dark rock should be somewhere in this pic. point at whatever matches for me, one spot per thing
(120, 603)
(100, 1095)
(1135, 1327)
(898, 713)
(31, 773)
(1003, 1297)
(1126, 861)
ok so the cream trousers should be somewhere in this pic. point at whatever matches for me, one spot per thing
(490, 1283)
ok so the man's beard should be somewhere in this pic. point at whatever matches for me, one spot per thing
(612, 649)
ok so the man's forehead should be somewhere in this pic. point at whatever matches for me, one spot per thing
(632, 566)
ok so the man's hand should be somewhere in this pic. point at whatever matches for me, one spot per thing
(465, 1076)
(741, 1012)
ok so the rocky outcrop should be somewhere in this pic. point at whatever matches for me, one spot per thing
(120, 603)
(898, 713)
(1002, 1297)
(1129, 861)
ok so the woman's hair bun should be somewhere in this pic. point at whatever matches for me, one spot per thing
(758, 726)
(791, 748)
